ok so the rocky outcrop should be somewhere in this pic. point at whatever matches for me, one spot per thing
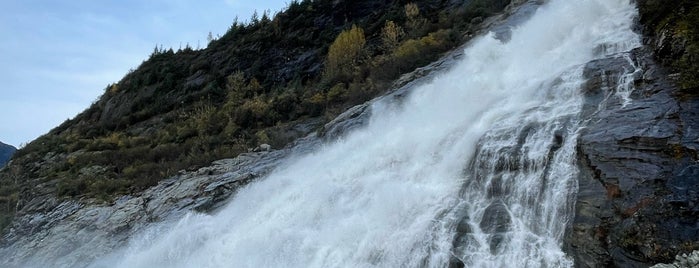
(638, 187)
(681, 261)
(67, 233)
(6, 152)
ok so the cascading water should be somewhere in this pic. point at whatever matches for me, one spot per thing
(477, 165)
(520, 186)
(625, 85)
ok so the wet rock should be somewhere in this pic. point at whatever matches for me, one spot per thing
(496, 222)
(456, 263)
(463, 238)
(263, 148)
(638, 170)
(503, 31)
(282, 135)
(342, 124)
(464, 226)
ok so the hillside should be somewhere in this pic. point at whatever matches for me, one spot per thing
(270, 81)
(6, 152)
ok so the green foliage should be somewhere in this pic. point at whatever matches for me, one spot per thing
(71, 187)
(253, 113)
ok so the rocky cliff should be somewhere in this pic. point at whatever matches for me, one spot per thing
(638, 189)
(6, 152)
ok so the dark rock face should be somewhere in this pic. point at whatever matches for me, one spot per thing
(6, 152)
(496, 221)
(638, 187)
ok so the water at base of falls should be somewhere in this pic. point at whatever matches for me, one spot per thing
(476, 167)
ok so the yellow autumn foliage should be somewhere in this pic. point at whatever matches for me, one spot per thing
(345, 51)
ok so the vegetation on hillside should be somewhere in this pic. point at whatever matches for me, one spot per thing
(675, 26)
(183, 109)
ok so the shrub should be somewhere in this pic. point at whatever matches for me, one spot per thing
(391, 36)
(252, 112)
(337, 93)
(413, 53)
(345, 52)
(286, 105)
(72, 187)
(104, 188)
(415, 23)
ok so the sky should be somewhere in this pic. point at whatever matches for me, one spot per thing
(58, 56)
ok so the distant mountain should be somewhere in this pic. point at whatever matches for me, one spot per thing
(6, 152)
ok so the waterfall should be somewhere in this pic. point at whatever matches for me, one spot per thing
(477, 165)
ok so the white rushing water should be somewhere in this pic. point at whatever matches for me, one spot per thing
(491, 141)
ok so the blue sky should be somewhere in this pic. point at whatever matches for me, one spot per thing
(57, 56)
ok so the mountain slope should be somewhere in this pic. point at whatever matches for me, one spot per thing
(267, 82)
